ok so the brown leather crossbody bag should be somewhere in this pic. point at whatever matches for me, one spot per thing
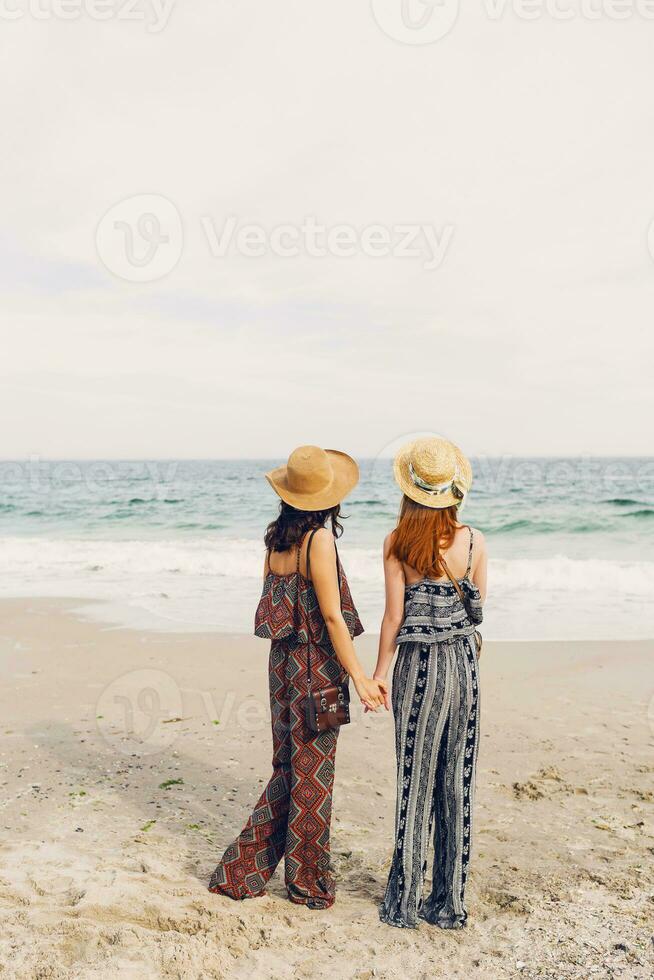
(477, 635)
(327, 706)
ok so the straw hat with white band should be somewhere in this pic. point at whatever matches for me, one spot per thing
(314, 478)
(433, 472)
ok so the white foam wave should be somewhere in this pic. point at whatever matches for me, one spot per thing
(214, 583)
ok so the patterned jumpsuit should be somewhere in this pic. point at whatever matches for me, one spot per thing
(292, 817)
(436, 708)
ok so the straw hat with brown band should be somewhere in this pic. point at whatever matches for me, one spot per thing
(314, 478)
(433, 472)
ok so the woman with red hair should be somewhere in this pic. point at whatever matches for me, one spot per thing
(435, 573)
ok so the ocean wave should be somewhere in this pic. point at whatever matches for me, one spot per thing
(571, 525)
(222, 558)
(198, 526)
(603, 577)
(623, 502)
(523, 524)
(214, 583)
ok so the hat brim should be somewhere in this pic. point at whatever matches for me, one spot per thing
(345, 478)
(407, 486)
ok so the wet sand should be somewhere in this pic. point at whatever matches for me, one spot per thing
(130, 760)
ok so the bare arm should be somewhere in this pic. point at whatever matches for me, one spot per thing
(480, 564)
(393, 612)
(325, 582)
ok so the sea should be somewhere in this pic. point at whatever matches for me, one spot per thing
(177, 544)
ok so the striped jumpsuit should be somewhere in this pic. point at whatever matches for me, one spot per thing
(436, 708)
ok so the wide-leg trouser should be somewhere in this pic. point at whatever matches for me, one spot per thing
(436, 708)
(293, 814)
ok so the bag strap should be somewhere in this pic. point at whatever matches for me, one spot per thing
(459, 590)
(338, 572)
(308, 618)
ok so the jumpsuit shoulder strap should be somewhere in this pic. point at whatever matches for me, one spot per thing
(470, 552)
(311, 537)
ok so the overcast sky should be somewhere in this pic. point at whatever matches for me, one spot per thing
(516, 154)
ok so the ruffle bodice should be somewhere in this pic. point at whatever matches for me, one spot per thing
(434, 612)
(289, 607)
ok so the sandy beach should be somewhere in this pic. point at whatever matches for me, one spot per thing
(130, 759)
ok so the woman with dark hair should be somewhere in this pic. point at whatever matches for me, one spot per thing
(306, 609)
(435, 571)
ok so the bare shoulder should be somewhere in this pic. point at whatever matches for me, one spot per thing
(478, 539)
(322, 543)
(388, 544)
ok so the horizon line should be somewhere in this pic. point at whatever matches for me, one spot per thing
(35, 458)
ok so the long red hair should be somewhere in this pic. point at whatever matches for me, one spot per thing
(420, 535)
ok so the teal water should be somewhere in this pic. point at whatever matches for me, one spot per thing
(568, 538)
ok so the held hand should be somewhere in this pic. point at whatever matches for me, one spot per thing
(371, 692)
(384, 688)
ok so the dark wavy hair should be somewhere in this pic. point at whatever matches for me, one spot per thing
(291, 525)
